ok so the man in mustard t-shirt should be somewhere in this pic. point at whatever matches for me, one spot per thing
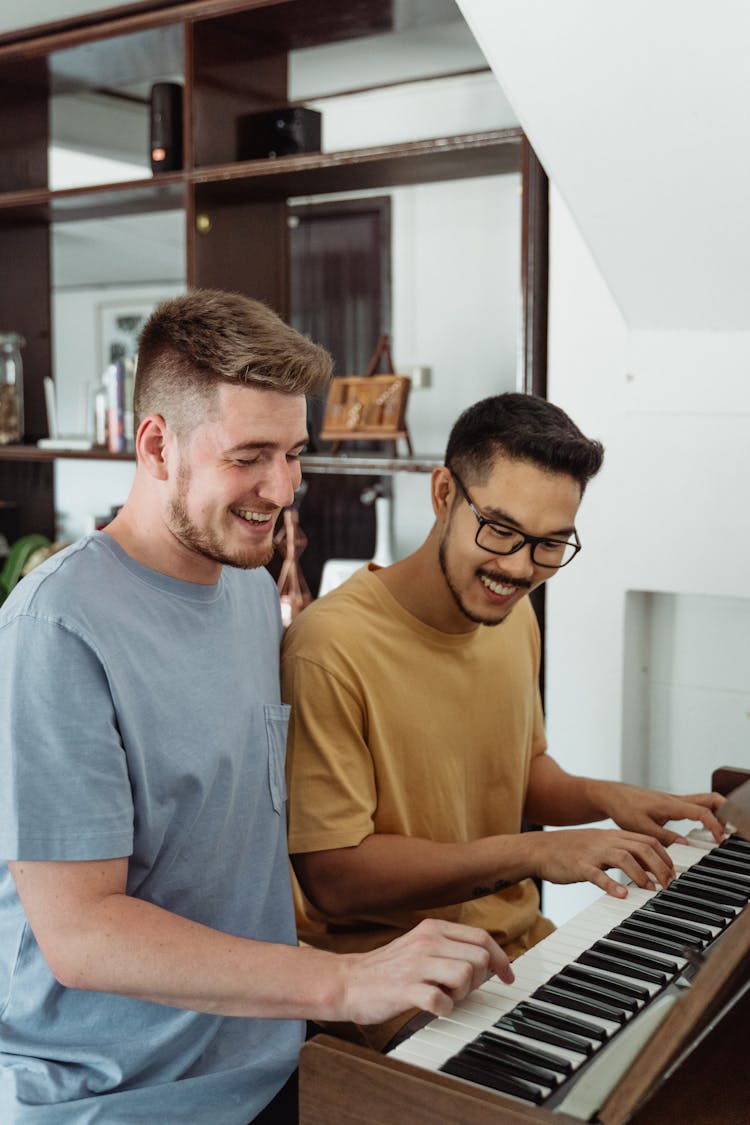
(416, 745)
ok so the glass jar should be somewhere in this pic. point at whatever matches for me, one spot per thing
(11, 388)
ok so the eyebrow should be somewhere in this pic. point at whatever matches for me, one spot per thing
(498, 515)
(254, 446)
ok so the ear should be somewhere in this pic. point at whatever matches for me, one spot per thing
(151, 446)
(442, 490)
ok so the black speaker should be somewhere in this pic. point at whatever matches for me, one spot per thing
(278, 132)
(166, 127)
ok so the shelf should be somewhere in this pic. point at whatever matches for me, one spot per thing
(33, 453)
(369, 464)
(492, 152)
(343, 464)
(100, 201)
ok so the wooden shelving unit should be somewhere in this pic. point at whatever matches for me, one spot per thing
(234, 60)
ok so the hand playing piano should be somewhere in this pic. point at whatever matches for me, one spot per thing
(578, 855)
(432, 967)
(646, 810)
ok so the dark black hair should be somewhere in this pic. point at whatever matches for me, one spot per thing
(523, 428)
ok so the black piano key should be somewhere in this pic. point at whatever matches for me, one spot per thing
(624, 988)
(709, 891)
(677, 910)
(532, 1029)
(691, 895)
(736, 845)
(634, 957)
(565, 998)
(633, 936)
(690, 932)
(619, 965)
(533, 1055)
(723, 862)
(600, 990)
(654, 925)
(460, 1067)
(498, 1062)
(573, 1024)
(719, 878)
(711, 915)
(731, 853)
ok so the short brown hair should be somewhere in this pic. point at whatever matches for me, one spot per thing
(192, 343)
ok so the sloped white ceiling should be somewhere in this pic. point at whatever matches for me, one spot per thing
(640, 113)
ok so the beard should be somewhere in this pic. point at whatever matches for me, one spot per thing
(205, 542)
(476, 618)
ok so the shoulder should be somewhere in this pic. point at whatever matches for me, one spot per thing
(55, 585)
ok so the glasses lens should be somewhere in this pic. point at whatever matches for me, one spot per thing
(498, 539)
(553, 552)
(505, 540)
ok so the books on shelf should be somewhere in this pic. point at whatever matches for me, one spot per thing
(119, 380)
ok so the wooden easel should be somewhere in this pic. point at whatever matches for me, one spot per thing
(369, 407)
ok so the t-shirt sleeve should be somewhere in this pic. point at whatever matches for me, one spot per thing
(64, 787)
(330, 777)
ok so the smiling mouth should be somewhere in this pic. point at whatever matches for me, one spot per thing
(254, 517)
(499, 588)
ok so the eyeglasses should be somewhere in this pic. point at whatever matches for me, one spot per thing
(499, 539)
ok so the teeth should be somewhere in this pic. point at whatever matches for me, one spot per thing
(252, 517)
(497, 588)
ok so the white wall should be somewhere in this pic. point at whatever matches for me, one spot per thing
(668, 515)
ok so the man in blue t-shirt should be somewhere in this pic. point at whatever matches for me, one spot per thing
(148, 959)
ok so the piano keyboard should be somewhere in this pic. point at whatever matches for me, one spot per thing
(612, 971)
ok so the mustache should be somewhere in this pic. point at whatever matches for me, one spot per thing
(498, 576)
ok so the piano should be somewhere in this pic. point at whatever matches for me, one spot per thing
(636, 1010)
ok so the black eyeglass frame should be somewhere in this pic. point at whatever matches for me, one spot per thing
(533, 540)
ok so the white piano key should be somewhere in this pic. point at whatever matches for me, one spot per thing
(684, 856)
(473, 1014)
(422, 1051)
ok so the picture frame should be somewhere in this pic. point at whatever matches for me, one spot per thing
(118, 326)
(366, 407)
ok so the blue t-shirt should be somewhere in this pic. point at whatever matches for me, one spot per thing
(141, 717)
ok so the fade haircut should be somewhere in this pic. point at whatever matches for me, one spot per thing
(523, 428)
(192, 343)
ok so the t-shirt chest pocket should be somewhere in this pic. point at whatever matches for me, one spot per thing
(276, 717)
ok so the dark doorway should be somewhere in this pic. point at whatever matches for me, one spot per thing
(340, 296)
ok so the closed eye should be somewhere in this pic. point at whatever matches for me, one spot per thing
(502, 532)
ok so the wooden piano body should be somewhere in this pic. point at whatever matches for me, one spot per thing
(694, 1071)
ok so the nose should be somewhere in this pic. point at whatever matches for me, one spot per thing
(519, 565)
(280, 482)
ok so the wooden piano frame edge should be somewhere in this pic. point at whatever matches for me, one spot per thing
(332, 1074)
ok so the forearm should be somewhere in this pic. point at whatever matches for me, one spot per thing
(556, 798)
(132, 948)
(389, 872)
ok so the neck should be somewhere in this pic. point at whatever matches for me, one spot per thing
(418, 585)
(140, 529)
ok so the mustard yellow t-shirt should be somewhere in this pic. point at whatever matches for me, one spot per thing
(399, 728)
